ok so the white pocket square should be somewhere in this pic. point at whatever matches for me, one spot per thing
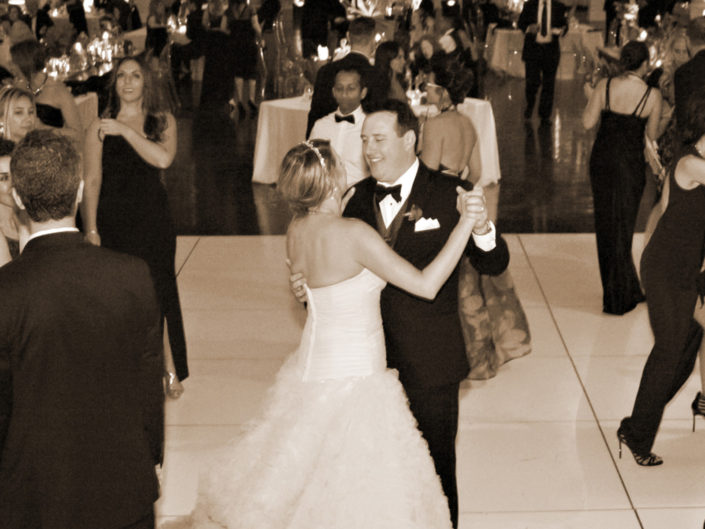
(424, 224)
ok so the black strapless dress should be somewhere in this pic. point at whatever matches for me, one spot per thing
(50, 115)
(134, 218)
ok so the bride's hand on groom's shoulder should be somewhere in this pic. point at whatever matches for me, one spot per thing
(297, 284)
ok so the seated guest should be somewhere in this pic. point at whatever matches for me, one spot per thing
(56, 107)
(390, 62)
(17, 112)
(343, 127)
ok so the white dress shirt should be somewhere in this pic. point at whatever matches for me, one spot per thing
(345, 139)
(51, 231)
(540, 38)
(389, 208)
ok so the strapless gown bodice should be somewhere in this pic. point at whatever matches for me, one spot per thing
(343, 335)
(335, 445)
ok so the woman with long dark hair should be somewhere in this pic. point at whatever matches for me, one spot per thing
(125, 205)
(390, 62)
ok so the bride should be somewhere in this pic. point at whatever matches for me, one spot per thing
(336, 446)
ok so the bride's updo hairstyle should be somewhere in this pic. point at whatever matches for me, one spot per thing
(307, 175)
(633, 54)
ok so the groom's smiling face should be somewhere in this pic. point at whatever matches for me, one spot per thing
(388, 154)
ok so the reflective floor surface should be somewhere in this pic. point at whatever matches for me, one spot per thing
(537, 447)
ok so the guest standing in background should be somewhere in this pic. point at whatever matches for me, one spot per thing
(55, 104)
(670, 266)
(495, 327)
(81, 400)
(390, 62)
(218, 70)
(362, 47)
(316, 18)
(125, 206)
(38, 19)
(625, 106)
(77, 16)
(17, 112)
(157, 36)
(343, 127)
(240, 22)
(542, 21)
(689, 79)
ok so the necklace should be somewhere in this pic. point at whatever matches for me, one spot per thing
(36, 91)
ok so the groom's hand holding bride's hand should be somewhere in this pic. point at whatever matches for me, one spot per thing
(297, 284)
(471, 206)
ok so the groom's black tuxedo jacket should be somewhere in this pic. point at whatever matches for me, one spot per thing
(424, 339)
(81, 398)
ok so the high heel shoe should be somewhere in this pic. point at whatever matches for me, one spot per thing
(698, 407)
(172, 385)
(644, 460)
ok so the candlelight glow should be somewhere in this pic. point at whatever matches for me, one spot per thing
(322, 53)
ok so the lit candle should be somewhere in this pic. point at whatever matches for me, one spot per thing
(322, 53)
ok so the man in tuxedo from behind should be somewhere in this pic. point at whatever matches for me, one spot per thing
(361, 36)
(690, 77)
(423, 338)
(542, 21)
(81, 397)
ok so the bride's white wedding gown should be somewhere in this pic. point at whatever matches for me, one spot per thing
(336, 446)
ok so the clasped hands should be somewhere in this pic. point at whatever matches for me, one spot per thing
(471, 206)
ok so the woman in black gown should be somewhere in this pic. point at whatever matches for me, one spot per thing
(125, 206)
(625, 106)
(240, 22)
(670, 268)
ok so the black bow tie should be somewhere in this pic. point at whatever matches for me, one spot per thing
(349, 118)
(382, 191)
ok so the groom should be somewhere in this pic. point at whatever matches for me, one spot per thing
(423, 338)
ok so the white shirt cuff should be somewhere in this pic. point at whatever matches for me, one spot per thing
(488, 241)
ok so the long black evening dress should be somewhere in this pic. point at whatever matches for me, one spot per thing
(670, 267)
(617, 177)
(134, 218)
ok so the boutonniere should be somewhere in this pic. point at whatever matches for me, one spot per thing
(415, 213)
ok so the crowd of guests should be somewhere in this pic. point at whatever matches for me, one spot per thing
(124, 205)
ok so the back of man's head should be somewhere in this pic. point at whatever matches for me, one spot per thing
(362, 32)
(696, 33)
(45, 170)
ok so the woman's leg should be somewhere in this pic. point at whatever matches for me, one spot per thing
(238, 90)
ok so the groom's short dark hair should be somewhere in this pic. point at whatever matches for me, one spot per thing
(45, 175)
(406, 119)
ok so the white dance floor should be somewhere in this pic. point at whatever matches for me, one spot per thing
(537, 446)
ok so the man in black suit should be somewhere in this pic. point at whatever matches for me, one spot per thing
(542, 21)
(38, 20)
(423, 338)
(690, 77)
(81, 397)
(362, 47)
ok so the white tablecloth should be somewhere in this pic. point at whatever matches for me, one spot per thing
(282, 124)
(480, 113)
